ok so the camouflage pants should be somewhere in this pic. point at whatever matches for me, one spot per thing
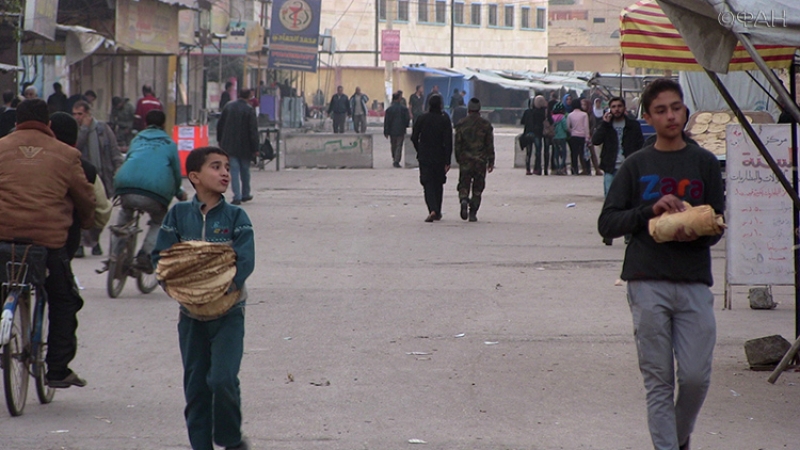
(471, 175)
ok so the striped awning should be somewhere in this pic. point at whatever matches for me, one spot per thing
(648, 39)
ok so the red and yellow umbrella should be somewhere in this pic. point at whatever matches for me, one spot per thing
(648, 39)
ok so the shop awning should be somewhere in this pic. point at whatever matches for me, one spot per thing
(648, 39)
(432, 71)
(506, 83)
(4, 68)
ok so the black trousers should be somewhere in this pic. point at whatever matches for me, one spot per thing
(576, 147)
(338, 122)
(64, 302)
(433, 177)
(397, 147)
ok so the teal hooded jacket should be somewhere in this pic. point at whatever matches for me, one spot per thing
(151, 168)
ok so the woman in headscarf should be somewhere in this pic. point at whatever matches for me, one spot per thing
(566, 100)
(560, 139)
(533, 120)
(597, 109)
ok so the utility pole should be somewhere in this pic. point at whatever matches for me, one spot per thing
(452, 30)
(389, 65)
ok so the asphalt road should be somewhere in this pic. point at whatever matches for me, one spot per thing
(368, 328)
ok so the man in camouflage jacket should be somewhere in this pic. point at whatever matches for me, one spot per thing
(474, 147)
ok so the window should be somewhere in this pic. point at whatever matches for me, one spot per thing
(441, 9)
(458, 11)
(541, 18)
(422, 14)
(402, 10)
(599, 20)
(509, 16)
(565, 65)
(382, 9)
(525, 13)
(493, 15)
(475, 14)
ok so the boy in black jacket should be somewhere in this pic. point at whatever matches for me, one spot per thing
(668, 283)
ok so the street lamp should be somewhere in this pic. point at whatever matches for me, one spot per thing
(220, 37)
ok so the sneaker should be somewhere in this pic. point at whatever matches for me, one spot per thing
(97, 250)
(608, 241)
(473, 217)
(464, 206)
(396, 165)
(79, 253)
(247, 199)
(431, 217)
(236, 202)
(70, 380)
(438, 216)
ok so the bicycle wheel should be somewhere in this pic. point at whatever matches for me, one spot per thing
(146, 282)
(15, 360)
(118, 263)
(43, 391)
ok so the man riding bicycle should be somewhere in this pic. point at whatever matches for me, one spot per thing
(43, 182)
(147, 181)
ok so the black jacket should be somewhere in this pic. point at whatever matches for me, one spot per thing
(340, 103)
(606, 135)
(396, 120)
(237, 129)
(433, 139)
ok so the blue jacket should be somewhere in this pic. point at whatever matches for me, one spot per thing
(223, 224)
(364, 101)
(152, 167)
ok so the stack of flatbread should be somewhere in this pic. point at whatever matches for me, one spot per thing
(198, 274)
(700, 219)
(708, 129)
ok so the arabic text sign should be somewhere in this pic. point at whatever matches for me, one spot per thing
(390, 45)
(294, 35)
(758, 210)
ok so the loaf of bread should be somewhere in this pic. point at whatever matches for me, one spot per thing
(702, 220)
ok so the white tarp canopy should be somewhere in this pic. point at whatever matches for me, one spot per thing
(708, 26)
(506, 83)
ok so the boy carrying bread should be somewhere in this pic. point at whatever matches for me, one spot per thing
(668, 283)
(211, 334)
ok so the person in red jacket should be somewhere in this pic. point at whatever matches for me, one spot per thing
(146, 104)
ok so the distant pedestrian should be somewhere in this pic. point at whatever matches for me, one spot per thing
(560, 139)
(121, 121)
(395, 122)
(586, 107)
(8, 118)
(57, 101)
(147, 103)
(402, 99)
(433, 92)
(97, 144)
(456, 100)
(358, 109)
(237, 134)
(580, 134)
(227, 95)
(433, 139)
(339, 109)
(416, 104)
(474, 147)
(668, 289)
(458, 114)
(533, 120)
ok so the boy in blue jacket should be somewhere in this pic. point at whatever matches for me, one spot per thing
(148, 180)
(212, 347)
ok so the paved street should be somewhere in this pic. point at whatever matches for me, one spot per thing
(367, 328)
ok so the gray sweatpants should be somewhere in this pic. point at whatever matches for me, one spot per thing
(673, 323)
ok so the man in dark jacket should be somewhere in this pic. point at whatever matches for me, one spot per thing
(620, 136)
(395, 123)
(339, 109)
(57, 100)
(237, 134)
(433, 139)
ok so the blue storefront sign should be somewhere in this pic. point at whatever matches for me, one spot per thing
(294, 35)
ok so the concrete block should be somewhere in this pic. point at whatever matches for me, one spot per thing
(352, 151)
(410, 156)
(519, 154)
(761, 298)
(766, 350)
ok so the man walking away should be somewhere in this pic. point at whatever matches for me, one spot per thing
(339, 109)
(668, 283)
(57, 100)
(358, 108)
(147, 103)
(474, 148)
(620, 136)
(237, 134)
(456, 100)
(433, 139)
(395, 122)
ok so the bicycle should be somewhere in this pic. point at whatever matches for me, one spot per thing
(24, 344)
(120, 264)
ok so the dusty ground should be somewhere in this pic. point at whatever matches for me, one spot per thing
(523, 340)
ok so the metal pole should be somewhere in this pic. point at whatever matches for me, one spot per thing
(452, 31)
(796, 219)
(220, 85)
(789, 103)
